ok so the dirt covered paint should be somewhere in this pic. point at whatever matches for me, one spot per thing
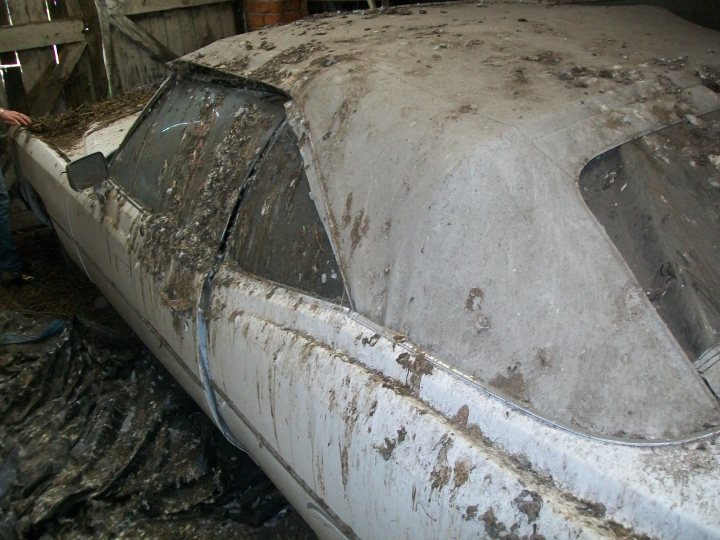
(198, 186)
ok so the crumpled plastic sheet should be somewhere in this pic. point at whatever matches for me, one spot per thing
(98, 441)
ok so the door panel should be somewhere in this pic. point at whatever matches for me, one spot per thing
(154, 230)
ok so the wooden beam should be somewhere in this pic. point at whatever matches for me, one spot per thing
(136, 7)
(40, 34)
(43, 95)
(107, 46)
(140, 37)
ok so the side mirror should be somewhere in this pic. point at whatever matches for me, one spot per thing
(87, 171)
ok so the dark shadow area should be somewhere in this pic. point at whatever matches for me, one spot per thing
(96, 438)
(702, 12)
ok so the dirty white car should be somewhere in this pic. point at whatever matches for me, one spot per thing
(446, 271)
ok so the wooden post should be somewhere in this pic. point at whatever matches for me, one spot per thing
(107, 45)
(34, 62)
(92, 66)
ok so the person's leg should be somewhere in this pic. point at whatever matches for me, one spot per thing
(10, 262)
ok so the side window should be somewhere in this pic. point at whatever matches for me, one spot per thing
(278, 234)
(166, 160)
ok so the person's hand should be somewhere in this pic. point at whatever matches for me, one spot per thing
(14, 118)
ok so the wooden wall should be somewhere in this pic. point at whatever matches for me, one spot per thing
(104, 46)
(142, 37)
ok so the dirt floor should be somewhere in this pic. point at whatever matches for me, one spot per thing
(96, 439)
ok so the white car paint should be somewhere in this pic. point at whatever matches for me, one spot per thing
(368, 434)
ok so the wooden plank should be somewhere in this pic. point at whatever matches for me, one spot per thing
(173, 31)
(137, 7)
(154, 24)
(43, 34)
(221, 21)
(135, 66)
(35, 61)
(140, 37)
(229, 21)
(98, 78)
(107, 45)
(186, 21)
(43, 95)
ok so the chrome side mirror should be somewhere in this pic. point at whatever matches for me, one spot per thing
(87, 171)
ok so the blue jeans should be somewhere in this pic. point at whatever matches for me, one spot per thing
(9, 258)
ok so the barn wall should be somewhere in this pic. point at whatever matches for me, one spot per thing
(103, 46)
(177, 31)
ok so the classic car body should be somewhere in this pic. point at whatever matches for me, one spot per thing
(382, 264)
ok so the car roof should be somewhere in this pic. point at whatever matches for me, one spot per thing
(446, 145)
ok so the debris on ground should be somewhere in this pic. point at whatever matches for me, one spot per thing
(97, 440)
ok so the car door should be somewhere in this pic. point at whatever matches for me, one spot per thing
(151, 233)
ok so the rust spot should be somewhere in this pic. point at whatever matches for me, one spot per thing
(360, 228)
(462, 471)
(529, 503)
(473, 304)
(461, 417)
(235, 314)
(474, 299)
(596, 510)
(482, 322)
(387, 448)
(470, 512)
(544, 358)
(371, 341)
(513, 385)
(493, 528)
(389, 445)
(373, 408)
(440, 475)
(344, 468)
(347, 216)
(399, 338)
(417, 367)
(404, 360)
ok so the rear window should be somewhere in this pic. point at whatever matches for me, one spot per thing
(658, 198)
